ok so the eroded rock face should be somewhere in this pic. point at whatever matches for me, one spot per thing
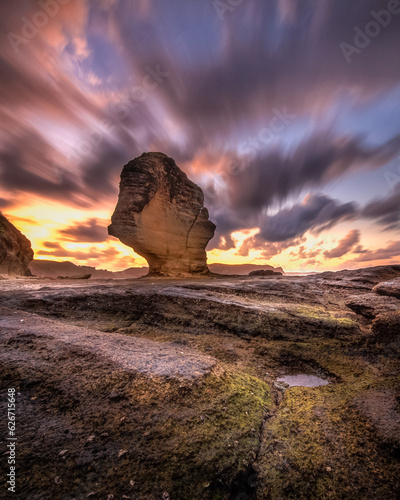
(15, 250)
(367, 275)
(389, 288)
(160, 214)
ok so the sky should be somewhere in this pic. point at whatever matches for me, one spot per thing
(285, 112)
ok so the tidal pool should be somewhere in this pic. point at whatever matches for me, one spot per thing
(303, 380)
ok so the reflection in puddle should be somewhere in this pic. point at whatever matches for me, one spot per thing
(303, 380)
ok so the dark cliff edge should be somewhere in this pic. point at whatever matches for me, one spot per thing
(15, 250)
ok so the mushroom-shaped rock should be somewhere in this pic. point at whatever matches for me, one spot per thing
(15, 250)
(160, 214)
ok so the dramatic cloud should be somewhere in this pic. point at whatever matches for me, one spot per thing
(303, 253)
(260, 105)
(53, 245)
(91, 253)
(344, 246)
(390, 252)
(316, 213)
(191, 83)
(222, 243)
(92, 230)
(268, 250)
(320, 159)
(385, 211)
(5, 203)
(273, 177)
(26, 165)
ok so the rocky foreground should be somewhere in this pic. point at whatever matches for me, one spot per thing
(161, 388)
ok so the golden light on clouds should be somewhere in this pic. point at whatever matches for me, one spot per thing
(42, 221)
(46, 224)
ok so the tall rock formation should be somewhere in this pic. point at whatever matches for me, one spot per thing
(160, 214)
(15, 250)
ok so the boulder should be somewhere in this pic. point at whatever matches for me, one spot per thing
(262, 272)
(15, 250)
(160, 214)
(389, 288)
(363, 305)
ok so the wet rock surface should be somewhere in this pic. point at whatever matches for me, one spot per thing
(88, 361)
(161, 215)
(15, 250)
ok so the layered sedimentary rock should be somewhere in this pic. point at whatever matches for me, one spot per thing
(15, 250)
(161, 215)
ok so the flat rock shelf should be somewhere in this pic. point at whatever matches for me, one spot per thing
(167, 388)
(128, 353)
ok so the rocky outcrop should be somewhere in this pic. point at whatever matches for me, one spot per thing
(367, 275)
(240, 269)
(262, 272)
(265, 272)
(389, 288)
(160, 214)
(15, 250)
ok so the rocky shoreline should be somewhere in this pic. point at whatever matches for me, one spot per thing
(167, 388)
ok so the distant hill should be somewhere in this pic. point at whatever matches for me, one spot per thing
(241, 269)
(52, 269)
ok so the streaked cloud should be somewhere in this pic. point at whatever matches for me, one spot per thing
(344, 246)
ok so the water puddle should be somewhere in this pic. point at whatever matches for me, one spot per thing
(303, 380)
